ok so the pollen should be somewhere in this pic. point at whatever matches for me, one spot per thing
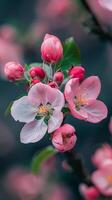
(109, 179)
(79, 101)
(43, 110)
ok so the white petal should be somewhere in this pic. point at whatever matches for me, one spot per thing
(33, 132)
(55, 121)
(23, 111)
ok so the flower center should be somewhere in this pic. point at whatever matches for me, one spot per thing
(109, 179)
(44, 110)
(79, 102)
(66, 137)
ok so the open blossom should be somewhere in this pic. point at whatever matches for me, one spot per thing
(82, 100)
(89, 193)
(51, 49)
(101, 155)
(45, 104)
(102, 178)
(64, 138)
(13, 70)
(107, 4)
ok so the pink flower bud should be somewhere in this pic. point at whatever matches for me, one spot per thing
(89, 193)
(53, 84)
(64, 138)
(77, 72)
(35, 81)
(37, 72)
(58, 77)
(51, 49)
(13, 71)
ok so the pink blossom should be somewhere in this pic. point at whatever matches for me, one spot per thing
(110, 126)
(45, 104)
(37, 72)
(64, 138)
(59, 193)
(107, 4)
(51, 49)
(58, 77)
(13, 71)
(89, 193)
(9, 51)
(102, 178)
(77, 72)
(24, 184)
(101, 155)
(7, 32)
(82, 101)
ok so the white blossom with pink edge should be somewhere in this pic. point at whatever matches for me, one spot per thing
(102, 178)
(82, 100)
(107, 4)
(43, 102)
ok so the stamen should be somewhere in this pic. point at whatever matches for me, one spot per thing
(44, 110)
(109, 179)
(79, 102)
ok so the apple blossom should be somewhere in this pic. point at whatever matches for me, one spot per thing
(102, 178)
(45, 104)
(58, 77)
(34, 81)
(53, 84)
(101, 155)
(37, 72)
(89, 193)
(64, 138)
(77, 72)
(82, 101)
(13, 71)
(51, 49)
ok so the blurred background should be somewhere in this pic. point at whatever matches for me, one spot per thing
(23, 25)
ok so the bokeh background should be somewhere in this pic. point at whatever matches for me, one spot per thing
(23, 25)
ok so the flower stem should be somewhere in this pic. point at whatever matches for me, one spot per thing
(75, 162)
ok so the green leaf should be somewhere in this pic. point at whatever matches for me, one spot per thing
(45, 154)
(48, 70)
(8, 109)
(36, 64)
(27, 67)
(27, 76)
(71, 55)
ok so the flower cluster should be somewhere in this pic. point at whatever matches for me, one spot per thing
(102, 177)
(51, 97)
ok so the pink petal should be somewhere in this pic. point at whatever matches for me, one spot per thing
(99, 178)
(55, 121)
(38, 94)
(43, 94)
(56, 98)
(71, 89)
(96, 111)
(81, 114)
(23, 111)
(33, 132)
(90, 88)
